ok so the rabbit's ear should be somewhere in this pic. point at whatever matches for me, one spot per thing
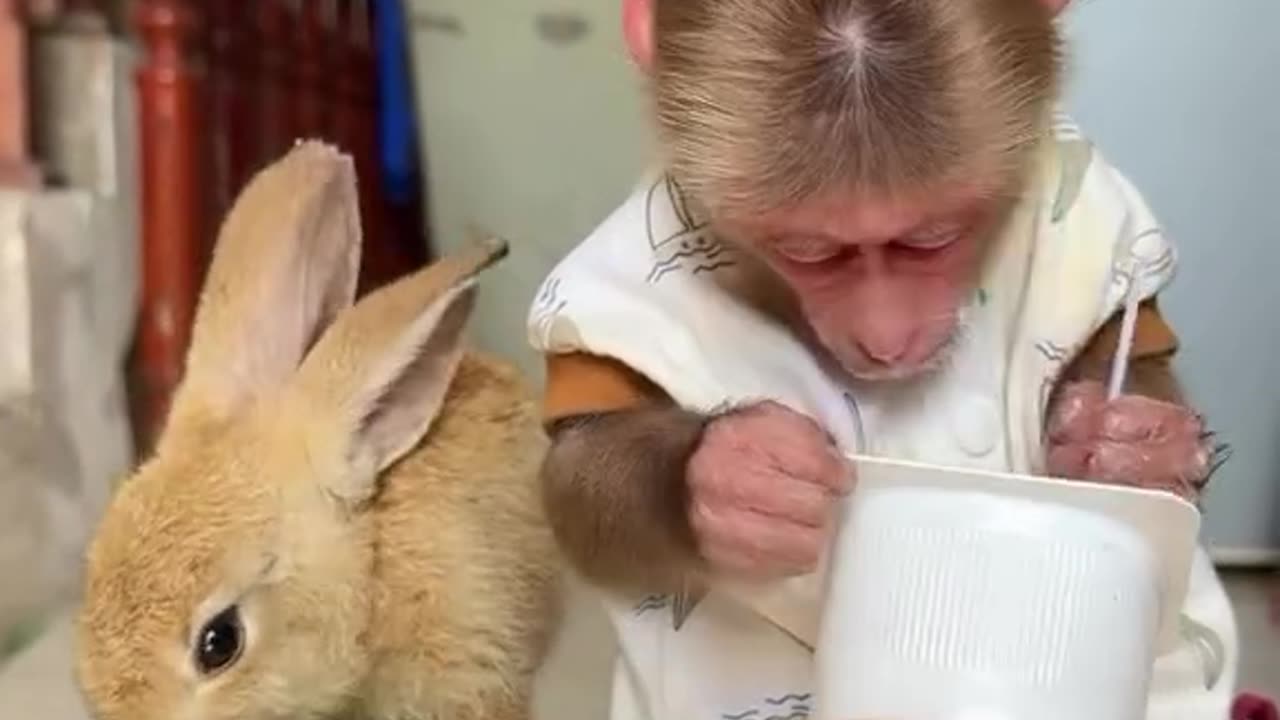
(378, 378)
(285, 266)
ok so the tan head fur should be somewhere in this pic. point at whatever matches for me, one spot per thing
(251, 518)
(765, 103)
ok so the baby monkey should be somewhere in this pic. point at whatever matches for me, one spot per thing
(861, 152)
(870, 227)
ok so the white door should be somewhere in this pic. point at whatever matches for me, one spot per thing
(1184, 96)
(534, 128)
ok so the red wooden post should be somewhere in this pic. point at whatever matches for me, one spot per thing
(348, 81)
(172, 191)
(273, 50)
(15, 166)
(360, 83)
(42, 11)
(241, 62)
(13, 84)
(349, 119)
(90, 6)
(329, 70)
(219, 32)
(309, 68)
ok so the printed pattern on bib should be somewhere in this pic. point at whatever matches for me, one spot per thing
(690, 245)
(790, 706)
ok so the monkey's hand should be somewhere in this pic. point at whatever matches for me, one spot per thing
(763, 484)
(1132, 440)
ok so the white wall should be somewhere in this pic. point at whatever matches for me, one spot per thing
(534, 129)
(1184, 96)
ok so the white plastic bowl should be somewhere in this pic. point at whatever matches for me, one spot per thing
(960, 595)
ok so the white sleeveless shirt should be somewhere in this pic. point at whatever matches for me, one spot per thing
(649, 288)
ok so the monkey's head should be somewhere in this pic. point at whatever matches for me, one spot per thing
(863, 150)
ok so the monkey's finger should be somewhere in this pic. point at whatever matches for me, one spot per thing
(779, 420)
(801, 449)
(781, 545)
(825, 468)
(805, 452)
(746, 565)
(1069, 461)
(1174, 466)
(772, 494)
(766, 492)
(751, 540)
(1133, 418)
(1077, 413)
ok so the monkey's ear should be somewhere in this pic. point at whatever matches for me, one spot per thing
(637, 27)
(1056, 6)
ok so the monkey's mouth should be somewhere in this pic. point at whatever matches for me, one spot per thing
(864, 369)
(878, 373)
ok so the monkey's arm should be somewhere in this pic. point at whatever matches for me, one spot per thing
(614, 478)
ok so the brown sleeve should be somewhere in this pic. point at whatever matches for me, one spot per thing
(1152, 337)
(584, 384)
(1150, 360)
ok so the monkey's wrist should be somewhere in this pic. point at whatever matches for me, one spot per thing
(675, 436)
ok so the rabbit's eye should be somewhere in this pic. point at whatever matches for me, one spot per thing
(220, 642)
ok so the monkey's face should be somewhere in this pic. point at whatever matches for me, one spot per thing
(879, 281)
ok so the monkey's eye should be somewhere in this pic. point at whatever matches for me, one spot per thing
(220, 642)
(934, 238)
(808, 251)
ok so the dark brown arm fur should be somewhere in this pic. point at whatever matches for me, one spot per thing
(614, 488)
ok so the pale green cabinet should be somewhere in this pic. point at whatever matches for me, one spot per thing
(534, 127)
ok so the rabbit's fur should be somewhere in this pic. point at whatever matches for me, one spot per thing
(361, 489)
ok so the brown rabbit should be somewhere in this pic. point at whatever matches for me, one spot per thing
(341, 517)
